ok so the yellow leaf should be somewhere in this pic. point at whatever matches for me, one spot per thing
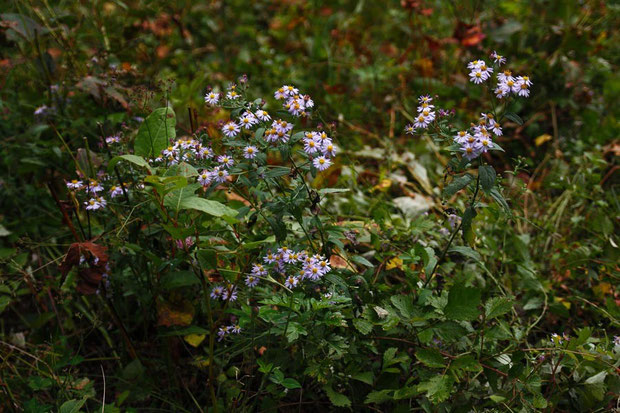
(602, 289)
(394, 263)
(384, 185)
(542, 139)
(194, 340)
(563, 302)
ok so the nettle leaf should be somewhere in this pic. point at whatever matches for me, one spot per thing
(337, 399)
(497, 306)
(457, 184)
(379, 396)
(404, 304)
(157, 130)
(467, 363)
(462, 303)
(514, 117)
(487, 177)
(363, 326)
(207, 206)
(437, 388)
(430, 357)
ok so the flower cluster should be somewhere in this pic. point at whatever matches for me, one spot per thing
(321, 147)
(93, 191)
(184, 150)
(295, 103)
(227, 292)
(225, 330)
(294, 266)
(425, 115)
(506, 82)
(478, 140)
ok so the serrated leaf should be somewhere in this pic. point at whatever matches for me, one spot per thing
(363, 326)
(467, 363)
(404, 305)
(337, 399)
(497, 306)
(379, 396)
(430, 357)
(438, 388)
(155, 133)
(487, 177)
(457, 184)
(462, 303)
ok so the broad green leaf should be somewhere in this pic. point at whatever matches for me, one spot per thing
(438, 388)
(277, 171)
(72, 406)
(207, 206)
(430, 357)
(466, 251)
(181, 169)
(136, 160)
(457, 184)
(487, 177)
(174, 199)
(462, 303)
(497, 306)
(514, 117)
(337, 399)
(290, 383)
(178, 279)
(361, 260)
(155, 133)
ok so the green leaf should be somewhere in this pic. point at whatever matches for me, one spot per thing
(487, 177)
(468, 232)
(207, 206)
(364, 377)
(290, 383)
(178, 279)
(363, 326)
(136, 160)
(437, 388)
(514, 117)
(497, 196)
(430, 357)
(277, 171)
(183, 331)
(462, 303)
(337, 399)
(404, 304)
(174, 199)
(466, 251)
(497, 306)
(457, 184)
(379, 396)
(155, 133)
(467, 363)
(72, 406)
(361, 260)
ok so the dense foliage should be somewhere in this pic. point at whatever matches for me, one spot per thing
(309, 206)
